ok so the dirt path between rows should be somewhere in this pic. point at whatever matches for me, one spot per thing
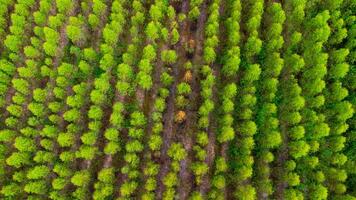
(169, 127)
(168, 133)
(185, 130)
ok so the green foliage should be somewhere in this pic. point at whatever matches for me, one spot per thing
(149, 53)
(81, 178)
(31, 52)
(144, 80)
(72, 115)
(24, 144)
(152, 31)
(183, 89)
(21, 85)
(18, 159)
(155, 142)
(7, 135)
(177, 152)
(87, 152)
(169, 56)
(13, 42)
(137, 119)
(245, 193)
(299, 148)
(65, 139)
(36, 187)
(255, 99)
(11, 190)
(63, 5)
(95, 113)
(128, 188)
(38, 172)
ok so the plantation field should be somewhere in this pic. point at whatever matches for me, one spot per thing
(178, 99)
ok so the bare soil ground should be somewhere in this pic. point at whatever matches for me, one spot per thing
(185, 130)
(168, 135)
